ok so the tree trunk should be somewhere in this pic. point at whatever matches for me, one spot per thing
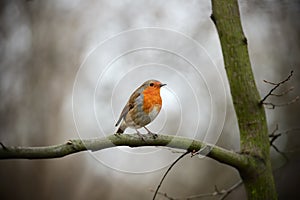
(258, 177)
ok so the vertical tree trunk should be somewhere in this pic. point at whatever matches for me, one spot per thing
(258, 178)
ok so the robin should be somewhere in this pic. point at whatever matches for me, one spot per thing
(142, 107)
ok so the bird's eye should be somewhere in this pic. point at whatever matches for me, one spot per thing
(151, 84)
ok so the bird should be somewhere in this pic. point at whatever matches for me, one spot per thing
(143, 106)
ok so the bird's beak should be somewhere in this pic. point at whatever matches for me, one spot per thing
(162, 85)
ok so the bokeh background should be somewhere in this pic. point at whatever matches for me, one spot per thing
(46, 45)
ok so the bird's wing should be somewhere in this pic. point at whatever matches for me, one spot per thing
(130, 105)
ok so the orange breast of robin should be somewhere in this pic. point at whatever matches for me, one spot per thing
(151, 98)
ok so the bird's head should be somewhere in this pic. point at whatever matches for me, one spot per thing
(153, 85)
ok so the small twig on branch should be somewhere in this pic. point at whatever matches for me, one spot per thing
(222, 193)
(273, 105)
(274, 136)
(3, 146)
(284, 92)
(281, 153)
(169, 169)
(232, 188)
(276, 85)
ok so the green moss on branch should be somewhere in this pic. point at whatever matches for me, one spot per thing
(250, 114)
(132, 140)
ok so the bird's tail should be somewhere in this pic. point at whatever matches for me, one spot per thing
(120, 131)
(121, 128)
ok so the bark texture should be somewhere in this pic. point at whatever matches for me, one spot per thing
(258, 177)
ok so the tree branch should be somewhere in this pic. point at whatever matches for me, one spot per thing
(132, 140)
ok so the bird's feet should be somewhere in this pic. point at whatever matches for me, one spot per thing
(141, 135)
(117, 134)
(154, 135)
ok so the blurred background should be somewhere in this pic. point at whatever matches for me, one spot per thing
(68, 68)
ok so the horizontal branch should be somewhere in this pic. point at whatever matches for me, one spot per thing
(132, 140)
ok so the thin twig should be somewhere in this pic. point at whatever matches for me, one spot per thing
(273, 105)
(164, 194)
(274, 136)
(271, 83)
(281, 153)
(274, 131)
(284, 92)
(3, 146)
(232, 188)
(276, 85)
(171, 166)
(222, 193)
